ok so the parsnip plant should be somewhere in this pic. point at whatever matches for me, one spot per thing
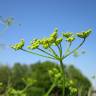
(45, 45)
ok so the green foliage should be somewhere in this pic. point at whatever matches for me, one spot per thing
(34, 79)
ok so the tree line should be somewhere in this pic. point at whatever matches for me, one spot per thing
(35, 79)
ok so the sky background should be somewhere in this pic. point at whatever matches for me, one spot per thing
(38, 18)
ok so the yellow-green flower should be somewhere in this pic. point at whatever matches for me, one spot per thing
(45, 43)
(73, 90)
(58, 41)
(34, 44)
(57, 76)
(54, 34)
(84, 34)
(51, 40)
(71, 82)
(18, 45)
(1, 84)
(67, 34)
(70, 39)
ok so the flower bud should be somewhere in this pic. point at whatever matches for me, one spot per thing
(70, 39)
(50, 72)
(34, 44)
(71, 82)
(58, 41)
(45, 43)
(67, 34)
(54, 34)
(19, 45)
(57, 76)
(84, 34)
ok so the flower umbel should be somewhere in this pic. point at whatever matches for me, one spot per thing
(54, 35)
(70, 39)
(67, 34)
(19, 45)
(58, 41)
(34, 44)
(84, 34)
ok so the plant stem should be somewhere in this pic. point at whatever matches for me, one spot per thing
(62, 69)
(45, 52)
(74, 49)
(38, 54)
(68, 49)
(56, 56)
(51, 88)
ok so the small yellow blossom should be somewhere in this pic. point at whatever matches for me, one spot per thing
(70, 39)
(84, 34)
(67, 34)
(58, 41)
(34, 44)
(19, 45)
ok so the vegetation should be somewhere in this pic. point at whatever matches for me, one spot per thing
(34, 79)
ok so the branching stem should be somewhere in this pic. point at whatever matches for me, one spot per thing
(74, 49)
(45, 52)
(56, 56)
(37, 54)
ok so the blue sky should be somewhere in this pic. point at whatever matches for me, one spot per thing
(38, 18)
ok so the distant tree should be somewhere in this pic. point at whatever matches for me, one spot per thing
(5, 72)
(18, 73)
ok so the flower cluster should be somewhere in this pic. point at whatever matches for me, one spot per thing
(73, 90)
(46, 42)
(84, 34)
(14, 92)
(71, 86)
(70, 39)
(58, 41)
(34, 44)
(51, 40)
(69, 36)
(19, 45)
(55, 74)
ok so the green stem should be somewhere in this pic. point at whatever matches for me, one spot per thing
(24, 90)
(68, 49)
(74, 49)
(51, 50)
(62, 69)
(37, 54)
(45, 52)
(51, 88)
(60, 50)
(63, 75)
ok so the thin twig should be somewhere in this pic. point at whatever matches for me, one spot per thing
(37, 54)
(74, 49)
